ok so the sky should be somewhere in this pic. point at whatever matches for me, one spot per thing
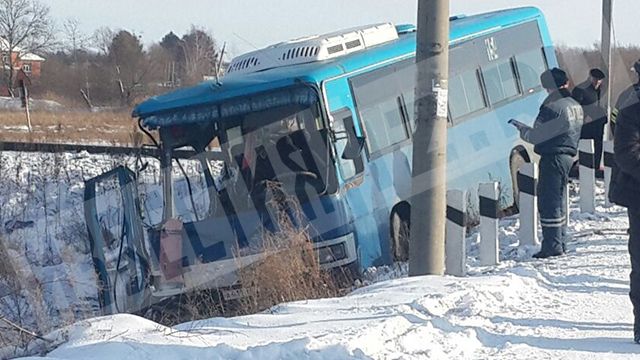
(252, 24)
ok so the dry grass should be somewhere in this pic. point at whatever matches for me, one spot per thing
(290, 269)
(7, 270)
(115, 128)
(22, 299)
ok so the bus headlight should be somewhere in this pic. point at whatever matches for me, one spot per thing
(336, 252)
(329, 254)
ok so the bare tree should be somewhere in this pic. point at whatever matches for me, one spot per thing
(131, 65)
(200, 55)
(75, 40)
(25, 27)
(102, 39)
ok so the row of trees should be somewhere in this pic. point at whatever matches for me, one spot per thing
(108, 68)
(114, 68)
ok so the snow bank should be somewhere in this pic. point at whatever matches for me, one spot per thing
(573, 307)
(15, 104)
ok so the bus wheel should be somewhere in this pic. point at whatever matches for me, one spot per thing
(400, 226)
(516, 161)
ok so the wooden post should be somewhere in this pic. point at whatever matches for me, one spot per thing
(23, 82)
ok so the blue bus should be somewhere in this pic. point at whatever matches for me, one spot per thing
(330, 118)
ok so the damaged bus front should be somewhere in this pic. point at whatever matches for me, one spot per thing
(248, 140)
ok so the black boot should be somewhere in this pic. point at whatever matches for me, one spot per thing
(543, 254)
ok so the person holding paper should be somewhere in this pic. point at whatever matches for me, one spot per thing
(555, 135)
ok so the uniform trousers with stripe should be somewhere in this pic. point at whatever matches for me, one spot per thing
(554, 176)
(634, 253)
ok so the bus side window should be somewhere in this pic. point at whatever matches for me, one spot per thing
(465, 94)
(530, 65)
(500, 81)
(343, 121)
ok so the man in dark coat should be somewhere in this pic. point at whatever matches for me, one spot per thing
(627, 94)
(555, 134)
(589, 95)
(625, 189)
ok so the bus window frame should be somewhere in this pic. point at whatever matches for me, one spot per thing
(490, 107)
(400, 102)
(486, 108)
(545, 62)
(340, 115)
(507, 99)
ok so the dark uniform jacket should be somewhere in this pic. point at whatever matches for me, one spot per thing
(590, 99)
(557, 127)
(625, 179)
(627, 97)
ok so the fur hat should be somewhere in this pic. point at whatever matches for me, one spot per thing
(553, 79)
(597, 74)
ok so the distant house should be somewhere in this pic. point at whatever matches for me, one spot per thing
(30, 63)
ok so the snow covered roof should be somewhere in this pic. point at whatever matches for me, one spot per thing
(24, 56)
(30, 57)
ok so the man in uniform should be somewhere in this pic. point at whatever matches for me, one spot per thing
(627, 94)
(589, 95)
(555, 135)
(625, 186)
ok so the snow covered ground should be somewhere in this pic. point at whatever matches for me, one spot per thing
(46, 275)
(573, 307)
(15, 104)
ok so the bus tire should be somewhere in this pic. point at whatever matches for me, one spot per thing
(517, 159)
(400, 227)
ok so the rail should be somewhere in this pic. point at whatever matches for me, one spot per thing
(147, 151)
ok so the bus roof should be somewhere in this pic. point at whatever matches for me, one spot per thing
(166, 110)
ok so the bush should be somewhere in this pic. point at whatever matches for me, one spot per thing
(290, 269)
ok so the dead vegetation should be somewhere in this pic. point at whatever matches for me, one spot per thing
(289, 270)
(21, 302)
(117, 128)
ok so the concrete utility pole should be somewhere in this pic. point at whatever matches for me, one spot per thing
(605, 51)
(428, 201)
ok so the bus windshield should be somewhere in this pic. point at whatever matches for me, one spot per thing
(285, 145)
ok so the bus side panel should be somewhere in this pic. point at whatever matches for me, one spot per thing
(479, 148)
(362, 193)
(478, 151)
(480, 144)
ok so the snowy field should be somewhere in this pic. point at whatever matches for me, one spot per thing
(47, 277)
(573, 307)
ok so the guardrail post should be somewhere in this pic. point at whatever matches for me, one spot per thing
(456, 232)
(587, 176)
(527, 184)
(489, 208)
(609, 164)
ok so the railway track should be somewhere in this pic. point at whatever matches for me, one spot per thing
(147, 151)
